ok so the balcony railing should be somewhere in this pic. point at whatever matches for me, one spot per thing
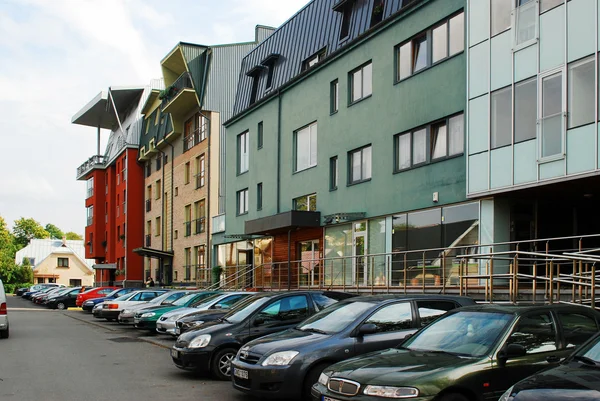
(187, 228)
(199, 180)
(148, 240)
(200, 225)
(194, 138)
(97, 161)
(218, 224)
(148, 205)
(183, 82)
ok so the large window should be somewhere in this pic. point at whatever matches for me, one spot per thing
(242, 145)
(306, 203)
(501, 118)
(361, 82)
(581, 94)
(551, 115)
(242, 201)
(525, 110)
(306, 147)
(501, 10)
(429, 47)
(526, 22)
(444, 138)
(360, 165)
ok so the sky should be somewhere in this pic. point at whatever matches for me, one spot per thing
(57, 55)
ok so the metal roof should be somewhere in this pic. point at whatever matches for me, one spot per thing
(40, 249)
(100, 113)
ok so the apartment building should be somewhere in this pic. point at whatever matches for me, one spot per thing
(180, 149)
(348, 140)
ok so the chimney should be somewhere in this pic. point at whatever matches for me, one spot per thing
(64, 241)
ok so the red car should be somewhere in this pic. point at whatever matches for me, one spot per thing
(98, 292)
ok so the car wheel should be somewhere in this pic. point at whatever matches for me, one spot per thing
(5, 333)
(311, 378)
(221, 363)
(453, 397)
(61, 306)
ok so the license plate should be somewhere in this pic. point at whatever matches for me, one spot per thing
(329, 399)
(175, 353)
(242, 374)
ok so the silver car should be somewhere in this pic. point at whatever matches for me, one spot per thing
(167, 323)
(127, 314)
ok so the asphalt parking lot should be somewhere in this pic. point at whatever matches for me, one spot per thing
(70, 355)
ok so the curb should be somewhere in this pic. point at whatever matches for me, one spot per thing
(74, 308)
(113, 329)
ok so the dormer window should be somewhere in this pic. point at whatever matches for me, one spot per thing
(377, 12)
(314, 59)
(254, 73)
(344, 7)
(269, 63)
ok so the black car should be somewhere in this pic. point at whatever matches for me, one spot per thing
(213, 345)
(577, 377)
(19, 292)
(197, 319)
(64, 301)
(469, 354)
(285, 365)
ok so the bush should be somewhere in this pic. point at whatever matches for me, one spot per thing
(12, 288)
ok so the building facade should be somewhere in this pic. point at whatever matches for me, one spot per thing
(348, 140)
(180, 149)
(115, 186)
(532, 130)
(58, 261)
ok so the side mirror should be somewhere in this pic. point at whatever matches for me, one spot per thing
(368, 328)
(258, 321)
(512, 351)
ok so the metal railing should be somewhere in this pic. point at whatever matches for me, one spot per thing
(199, 179)
(96, 161)
(187, 228)
(194, 138)
(183, 82)
(200, 225)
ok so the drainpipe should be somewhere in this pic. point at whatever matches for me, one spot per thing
(289, 258)
(172, 187)
(207, 249)
(163, 223)
(279, 154)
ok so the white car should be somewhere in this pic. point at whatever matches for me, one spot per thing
(167, 323)
(3, 313)
(111, 309)
(127, 314)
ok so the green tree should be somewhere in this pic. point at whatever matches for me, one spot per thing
(27, 229)
(73, 236)
(54, 231)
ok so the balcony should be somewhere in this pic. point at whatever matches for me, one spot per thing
(179, 98)
(218, 224)
(94, 162)
(148, 205)
(194, 138)
(200, 225)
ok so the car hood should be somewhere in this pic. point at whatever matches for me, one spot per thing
(291, 339)
(158, 308)
(206, 328)
(571, 381)
(195, 316)
(178, 311)
(397, 367)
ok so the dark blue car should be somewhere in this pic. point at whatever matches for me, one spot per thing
(90, 303)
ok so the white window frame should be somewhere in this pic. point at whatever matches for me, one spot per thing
(562, 70)
(243, 153)
(242, 202)
(514, 20)
(306, 130)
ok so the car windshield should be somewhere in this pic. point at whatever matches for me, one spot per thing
(167, 298)
(591, 351)
(243, 310)
(465, 333)
(125, 297)
(335, 318)
(207, 301)
(90, 290)
(185, 299)
(61, 292)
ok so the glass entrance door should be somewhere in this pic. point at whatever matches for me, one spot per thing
(309, 266)
(359, 265)
(245, 273)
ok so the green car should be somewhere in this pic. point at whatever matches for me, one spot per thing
(146, 319)
(473, 353)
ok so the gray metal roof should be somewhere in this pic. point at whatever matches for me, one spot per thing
(99, 112)
(314, 28)
(40, 249)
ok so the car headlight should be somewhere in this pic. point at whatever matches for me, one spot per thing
(126, 311)
(323, 379)
(282, 358)
(149, 314)
(507, 395)
(391, 392)
(200, 342)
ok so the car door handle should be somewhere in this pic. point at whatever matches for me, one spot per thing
(552, 359)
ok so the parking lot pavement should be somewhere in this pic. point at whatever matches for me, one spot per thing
(53, 356)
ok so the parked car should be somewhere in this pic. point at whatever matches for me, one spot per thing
(4, 326)
(44, 293)
(147, 318)
(212, 346)
(472, 353)
(20, 291)
(285, 365)
(38, 287)
(93, 293)
(197, 319)
(111, 309)
(167, 323)
(90, 303)
(64, 300)
(576, 378)
(126, 315)
(42, 299)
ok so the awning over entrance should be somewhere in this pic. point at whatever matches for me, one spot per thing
(154, 253)
(282, 222)
(105, 266)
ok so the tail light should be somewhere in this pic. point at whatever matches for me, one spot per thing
(112, 306)
(3, 308)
